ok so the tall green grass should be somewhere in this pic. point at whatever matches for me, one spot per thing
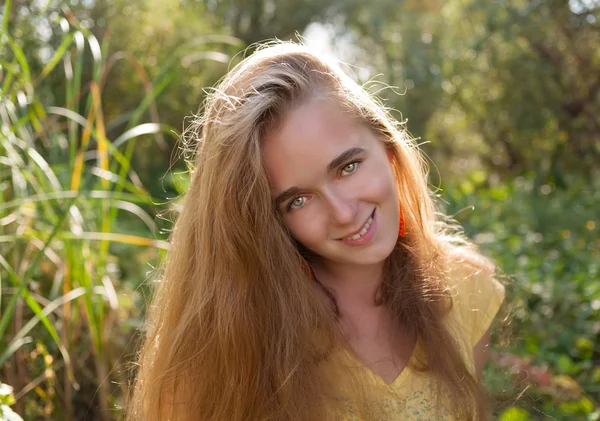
(68, 198)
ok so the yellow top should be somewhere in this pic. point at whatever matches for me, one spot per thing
(476, 301)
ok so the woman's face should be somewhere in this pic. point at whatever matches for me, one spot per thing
(333, 184)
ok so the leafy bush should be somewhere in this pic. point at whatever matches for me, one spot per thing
(547, 241)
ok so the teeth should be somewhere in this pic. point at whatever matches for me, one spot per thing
(362, 232)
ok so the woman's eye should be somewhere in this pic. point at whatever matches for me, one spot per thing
(350, 168)
(297, 202)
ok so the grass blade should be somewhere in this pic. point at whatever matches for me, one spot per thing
(117, 238)
(6, 15)
(20, 57)
(12, 348)
(142, 129)
(22, 283)
(72, 295)
(60, 52)
(68, 194)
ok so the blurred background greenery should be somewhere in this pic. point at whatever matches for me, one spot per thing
(503, 94)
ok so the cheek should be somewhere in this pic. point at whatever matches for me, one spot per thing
(390, 188)
(389, 185)
(377, 186)
(383, 192)
(384, 188)
(306, 227)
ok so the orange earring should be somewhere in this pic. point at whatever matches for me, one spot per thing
(402, 229)
(306, 270)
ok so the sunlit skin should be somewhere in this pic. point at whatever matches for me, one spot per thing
(329, 174)
(342, 174)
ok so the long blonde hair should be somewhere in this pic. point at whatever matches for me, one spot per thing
(236, 331)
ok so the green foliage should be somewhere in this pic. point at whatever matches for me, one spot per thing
(263, 19)
(515, 414)
(547, 240)
(509, 86)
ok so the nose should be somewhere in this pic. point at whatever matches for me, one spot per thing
(342, 209)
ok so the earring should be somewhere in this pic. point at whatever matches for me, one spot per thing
(402, 228)
(306, 270)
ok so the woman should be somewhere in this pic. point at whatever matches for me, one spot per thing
(310, 277)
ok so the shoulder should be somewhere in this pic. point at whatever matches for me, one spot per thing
(476, 294)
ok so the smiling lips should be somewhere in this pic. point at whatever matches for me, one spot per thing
(363, 231)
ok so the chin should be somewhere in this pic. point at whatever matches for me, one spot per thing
(374, 257)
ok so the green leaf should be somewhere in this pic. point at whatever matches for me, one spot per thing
(580, 407)
(20, 56)
(6, 15)
(57, 57)
(566, 365)
(515, 414)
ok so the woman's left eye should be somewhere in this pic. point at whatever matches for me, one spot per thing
(350, 168)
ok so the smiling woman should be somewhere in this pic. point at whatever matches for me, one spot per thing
(340, 180)
(310, 276)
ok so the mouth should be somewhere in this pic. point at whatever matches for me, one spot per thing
(362, 231)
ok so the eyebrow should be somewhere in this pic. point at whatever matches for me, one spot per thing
(332, 166)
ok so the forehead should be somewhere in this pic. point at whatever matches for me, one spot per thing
(298, 150)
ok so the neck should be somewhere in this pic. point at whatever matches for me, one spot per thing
(353, 285)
